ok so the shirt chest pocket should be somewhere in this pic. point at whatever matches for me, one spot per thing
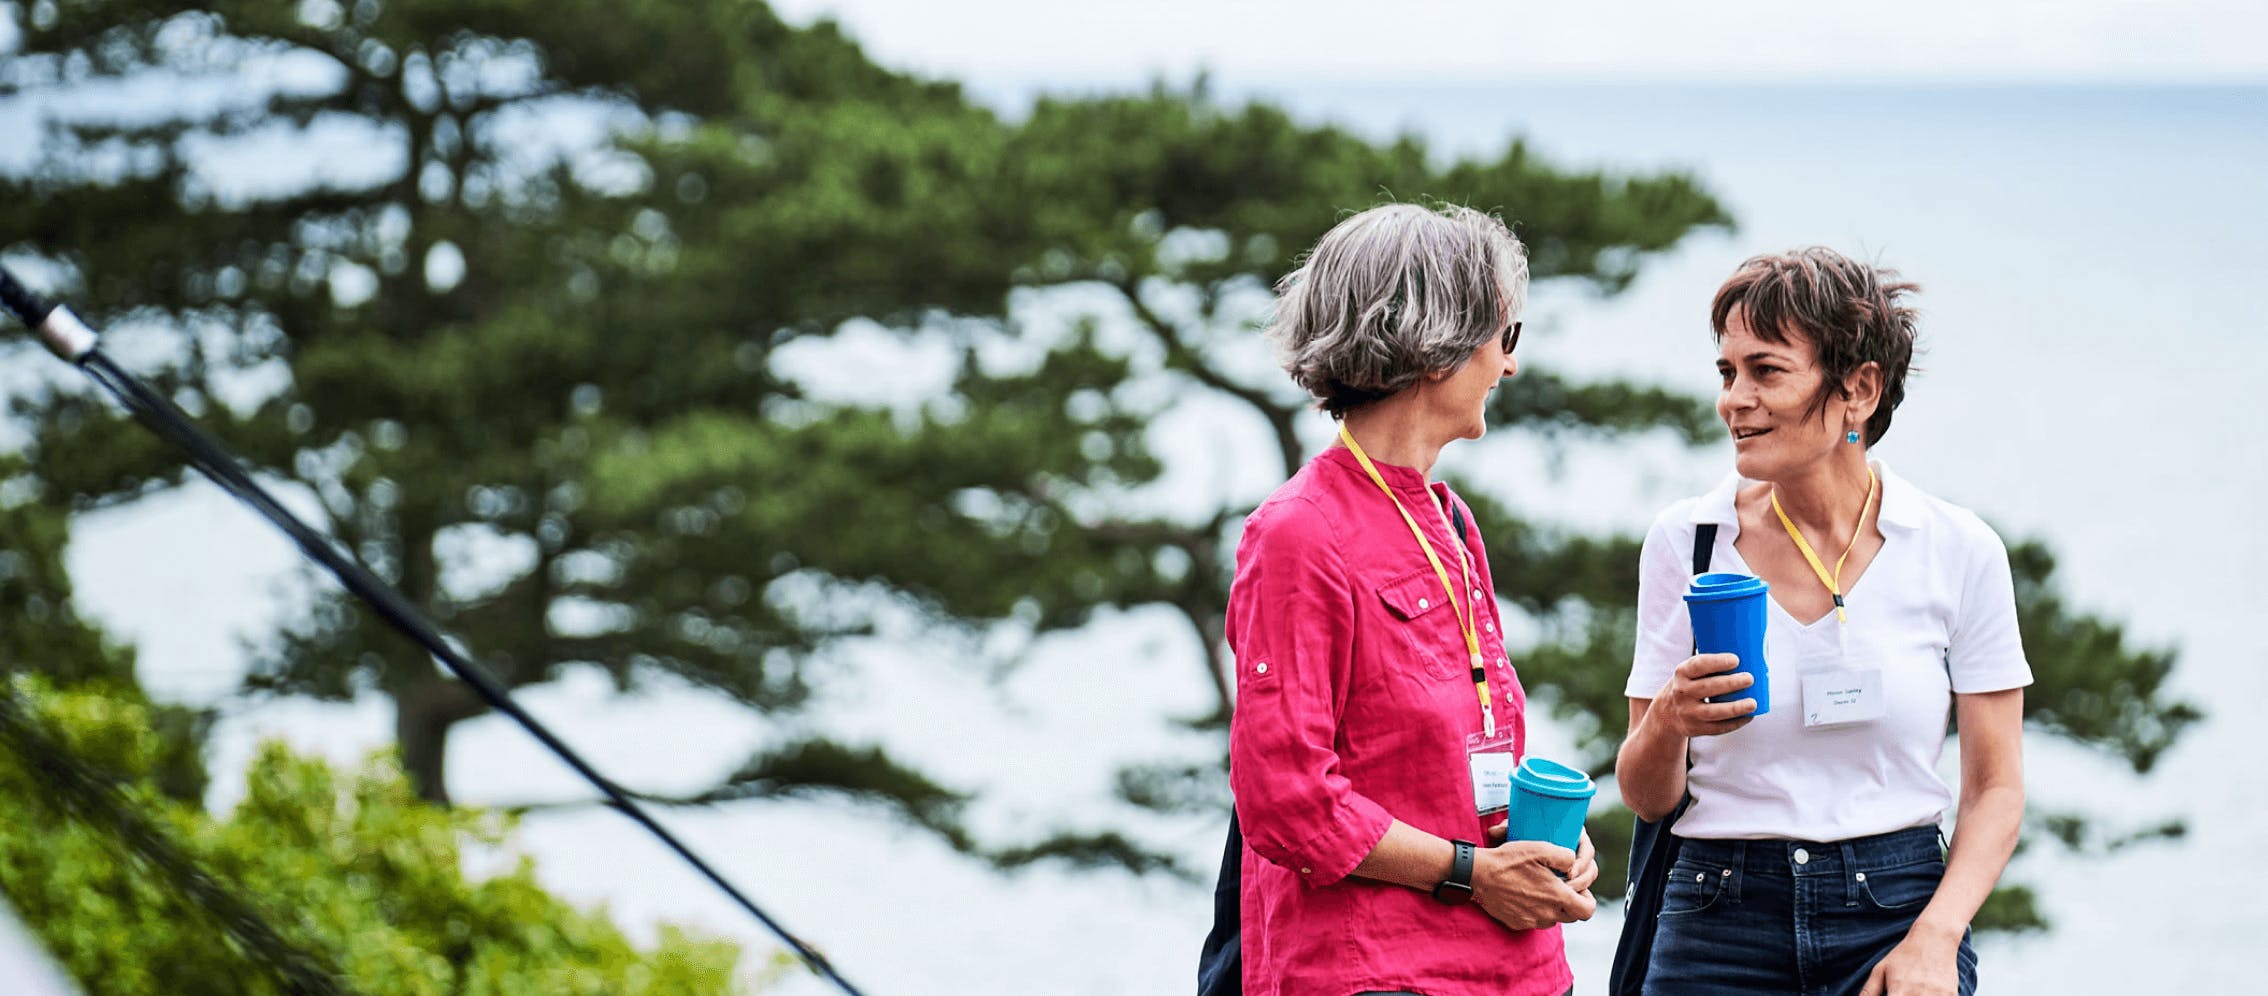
(1422, 626)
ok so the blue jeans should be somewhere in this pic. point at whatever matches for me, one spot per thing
(1791, 916)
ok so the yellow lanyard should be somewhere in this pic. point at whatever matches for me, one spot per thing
(1834, 583)
(1466, 617)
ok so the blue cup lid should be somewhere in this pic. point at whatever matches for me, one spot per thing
(1724, 585)
(1553, 779)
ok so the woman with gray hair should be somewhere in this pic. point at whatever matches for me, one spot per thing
(1372, 683)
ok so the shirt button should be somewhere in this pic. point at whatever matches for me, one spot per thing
(1492, 627)
(1423, 604)
(1307, 871)
(1476, 594)
(1261, 668)
(1802, 857)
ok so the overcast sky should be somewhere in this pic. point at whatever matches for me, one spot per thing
(1571, 40)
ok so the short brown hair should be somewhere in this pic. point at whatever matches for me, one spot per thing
(1853, 313)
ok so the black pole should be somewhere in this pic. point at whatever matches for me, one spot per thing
(71, 339)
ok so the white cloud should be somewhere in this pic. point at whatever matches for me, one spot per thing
(1913, 41)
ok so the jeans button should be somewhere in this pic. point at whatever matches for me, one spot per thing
(1802, 857)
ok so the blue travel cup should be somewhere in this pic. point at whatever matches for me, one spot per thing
(1728, 618)
(1549, 800)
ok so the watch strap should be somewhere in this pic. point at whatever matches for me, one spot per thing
(1458, 887)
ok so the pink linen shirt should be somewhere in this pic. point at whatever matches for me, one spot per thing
(1354, 702)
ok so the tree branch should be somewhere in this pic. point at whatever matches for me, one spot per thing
(1180, 356)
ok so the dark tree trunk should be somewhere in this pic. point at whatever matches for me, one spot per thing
(423, 713)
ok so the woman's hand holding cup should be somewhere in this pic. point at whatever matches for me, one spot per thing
(1528, 884)
(1586, 870)
(1683, 707)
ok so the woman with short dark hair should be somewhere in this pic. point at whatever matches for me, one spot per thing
(1809, 857)
(1371, 674)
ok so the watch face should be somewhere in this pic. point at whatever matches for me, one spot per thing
(1453, 893)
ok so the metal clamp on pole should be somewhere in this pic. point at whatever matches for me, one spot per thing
(65, 335)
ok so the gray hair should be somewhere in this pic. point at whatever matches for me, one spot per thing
(1392, 294)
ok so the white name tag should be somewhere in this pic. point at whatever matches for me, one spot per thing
(1842, 698)
(1492, 781)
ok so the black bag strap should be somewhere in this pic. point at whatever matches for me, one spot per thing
(1220, 965)
(1653, 849)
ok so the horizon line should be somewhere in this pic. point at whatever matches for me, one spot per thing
(1174, 78)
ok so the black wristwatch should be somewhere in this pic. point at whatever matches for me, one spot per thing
(1457, 889)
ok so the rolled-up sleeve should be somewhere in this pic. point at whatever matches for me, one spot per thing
(1291, 629)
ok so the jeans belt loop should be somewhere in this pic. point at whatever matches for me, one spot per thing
(1850, 874)
(1734, 871)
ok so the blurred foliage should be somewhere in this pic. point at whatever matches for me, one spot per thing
(2093, 687)
(353, 869)
(1611, 830)
(539, 383)
(41, 632)
(2011, 909)
(1108, 849)
(474, 334)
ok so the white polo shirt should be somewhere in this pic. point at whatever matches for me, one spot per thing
(1935, 612)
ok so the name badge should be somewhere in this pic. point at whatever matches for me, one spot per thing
(1845, 697)
(1492, 763)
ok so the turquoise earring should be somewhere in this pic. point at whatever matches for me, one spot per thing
(1851, 437)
